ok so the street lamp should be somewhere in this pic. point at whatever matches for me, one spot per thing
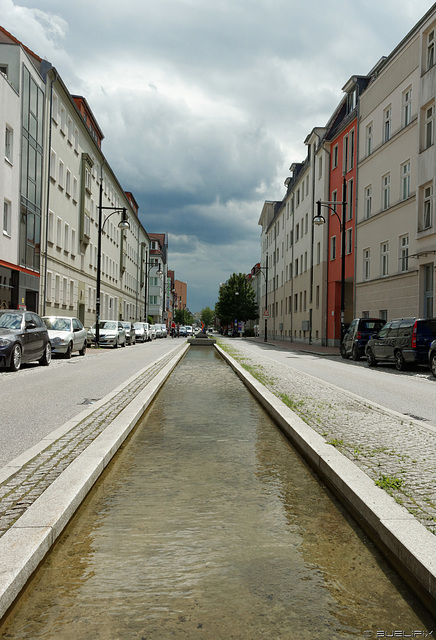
(265, 313)
(123, 224)
(148, 266)
(319, 220)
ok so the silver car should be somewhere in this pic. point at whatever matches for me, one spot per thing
(130, 332)
(111, 332)
(66, 335)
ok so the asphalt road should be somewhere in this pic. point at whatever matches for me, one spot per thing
(36, 400)
(411, 393)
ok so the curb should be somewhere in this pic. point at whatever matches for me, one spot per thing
(406, 543)
(24, 545)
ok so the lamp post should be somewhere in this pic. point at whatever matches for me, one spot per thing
(264, 270)
(319, 220)
(148, 266)
(123, 224)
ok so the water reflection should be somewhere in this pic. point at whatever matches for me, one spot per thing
(208, 525)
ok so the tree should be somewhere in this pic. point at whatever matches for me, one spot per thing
(183, 316)
(207, 316)
(236, 300)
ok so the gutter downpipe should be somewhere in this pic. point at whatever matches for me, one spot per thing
(47, 209)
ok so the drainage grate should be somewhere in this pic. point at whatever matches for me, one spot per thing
(89, 400)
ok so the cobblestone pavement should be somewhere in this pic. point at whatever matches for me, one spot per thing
(26, 485)
(399, 454)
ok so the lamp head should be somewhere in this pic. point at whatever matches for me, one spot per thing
(124, 222)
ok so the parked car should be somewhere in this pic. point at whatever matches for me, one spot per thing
(66, 335)
(158, 330)
(357, 336)
(141, 331)
(182, 331)
(112, 334)
(432, 357)
(151, 332)
(130, 332)
(189, 331)
(23, 338)
(164, 330)
(404, 341)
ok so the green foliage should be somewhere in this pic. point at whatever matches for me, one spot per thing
(207, 316)
(183, 317)
(388, 483)
(236, 301)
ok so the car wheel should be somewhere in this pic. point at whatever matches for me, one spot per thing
(82, 351)
(372, 362)
(355, 353)
(116, 344)
(400, 363)
(15, 358)
(46, 358)
(433, 363)
(69, 351)
(343, 352)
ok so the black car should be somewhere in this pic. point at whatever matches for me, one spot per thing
(23, 338)
(404, 341)
(358, 334)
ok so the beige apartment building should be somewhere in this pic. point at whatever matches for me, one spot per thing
(396, 241)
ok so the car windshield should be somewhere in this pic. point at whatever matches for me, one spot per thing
(58, 324)
(10, 320)
(138, 325)
(126, 325)
(372, 325)
(107, 324)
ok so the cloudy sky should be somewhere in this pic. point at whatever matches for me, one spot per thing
(205, 104)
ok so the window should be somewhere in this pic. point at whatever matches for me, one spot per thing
(59, 232)
(345, 156)
(384, 253)
(368, 201)
(335, 156)
(61, 174)
(4, 70)
(405, 180)
(429, 126)
(428, 207)
(333, 248)
(334, 199)
(386, 191)
(66, 237)
(428, 290)
(319, 168)
(68, 183)
(351, 162)
(407, 107)
(53, 162)
(55, 108)
(366, 263)
(63, 119)
(430, 49)
(87, 179)
(404, 253)
(350, 199)
(369, 140)
(9, 136)
(7, 217)
(348, 241)
(387, 124)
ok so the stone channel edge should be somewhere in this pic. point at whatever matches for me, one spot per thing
(407, 544)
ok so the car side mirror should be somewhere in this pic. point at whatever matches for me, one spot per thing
(30, 324)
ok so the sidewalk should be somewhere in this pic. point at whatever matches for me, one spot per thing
(316, 349)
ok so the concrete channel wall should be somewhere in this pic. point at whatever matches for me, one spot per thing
(406, 543)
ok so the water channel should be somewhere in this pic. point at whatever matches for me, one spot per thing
(209, 525)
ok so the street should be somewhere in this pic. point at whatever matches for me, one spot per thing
(36, 400)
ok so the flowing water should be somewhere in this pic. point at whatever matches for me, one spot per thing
(209, 526)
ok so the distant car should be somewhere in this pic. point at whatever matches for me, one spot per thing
(130, 332)
(182, 331)
(357, 335)
(111, 332)
(23, 338)
(152, 332)
(432, 357)
(404, 341)
(189, 331)
(164, 330)
(66, 335)
(158, 330)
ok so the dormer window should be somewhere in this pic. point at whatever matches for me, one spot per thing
(351, 100)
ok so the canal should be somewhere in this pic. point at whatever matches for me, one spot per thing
(209, 525)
